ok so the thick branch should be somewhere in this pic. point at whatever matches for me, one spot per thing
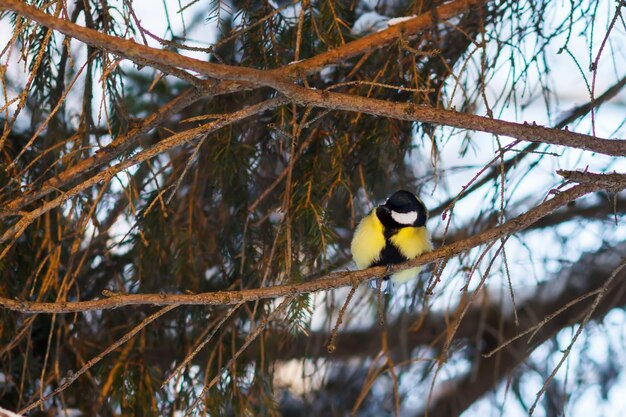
(609, 181)
(405, 30)
(330, 281)
(425, 114)
(136, 52)
(325, 99)
(146, 55)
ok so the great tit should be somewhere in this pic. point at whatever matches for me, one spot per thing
(392, 233)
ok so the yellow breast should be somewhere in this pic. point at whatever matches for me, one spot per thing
(412, 241)
(368, 241)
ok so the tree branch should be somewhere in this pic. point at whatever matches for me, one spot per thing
(330, 281)
(141, 54)
(569, 117)
(561, 301)
(175, 140)
(105, 154)
(609, 181)
(310, 97)
(151, 56)
(405, 30)
(425, 114)
(7, 413)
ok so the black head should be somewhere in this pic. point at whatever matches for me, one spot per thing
(402, 209)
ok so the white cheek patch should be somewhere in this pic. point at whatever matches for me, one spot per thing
(404, 218)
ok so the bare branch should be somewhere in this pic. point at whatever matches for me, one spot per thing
(7, 413)
(568, 117)
(139, 53)
(610, 182)
(584, 278)
(417, 113)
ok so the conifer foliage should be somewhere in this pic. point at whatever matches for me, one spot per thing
(179, 182)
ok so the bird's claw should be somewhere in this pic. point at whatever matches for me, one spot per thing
(386, 286)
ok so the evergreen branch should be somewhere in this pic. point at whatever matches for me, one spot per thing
(401, 111)
(74, 376)
(309, 97)
(330, 281)
(249, 339)
(336, 101)
(173, 141)
(405, 30)
(425, 114)
(200, 345)
(139, 53)
(145, 55)
(300, 95)
(325, 99)
(220, 232)
(105, 154)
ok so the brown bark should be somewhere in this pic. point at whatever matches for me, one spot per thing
(330, 281)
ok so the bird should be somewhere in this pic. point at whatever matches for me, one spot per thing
(392, 233)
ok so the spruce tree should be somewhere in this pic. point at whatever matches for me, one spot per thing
(177, 205)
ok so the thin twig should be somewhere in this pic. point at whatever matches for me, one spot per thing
(251, 337)
(74, 376)
(330, 346)
(601, 293)
(198, 348)
(534, 329)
